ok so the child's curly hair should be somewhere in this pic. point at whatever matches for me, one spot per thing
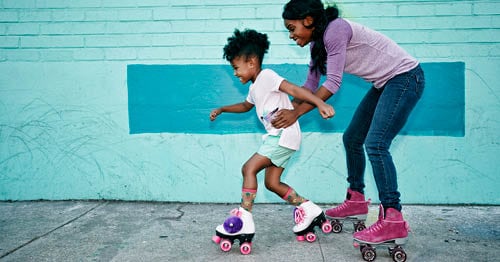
(247, 43)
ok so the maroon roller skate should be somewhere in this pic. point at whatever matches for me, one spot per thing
(354, 208)
(390, 230)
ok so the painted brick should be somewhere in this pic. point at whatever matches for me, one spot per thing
(120, 53)
(21, 55)
(68, 15)
(67, 3)
(138, 27)
(168, 39)
(269, 11)
(9, 42)
(37, 15)
(151, 53)
(64, 28)
(416, 9)
(101, 15)
(117, 41)
(171, 13)
(204, 13)
(119, 3)
(186, 52)
(19, 4)
(367, 9)
(8, 16)
(23, 29)
(88, 54)
(260, 24)
(135, 14)
(51, 41)
(487, 8)
(56, 55)
(454, 9)
(238, 13)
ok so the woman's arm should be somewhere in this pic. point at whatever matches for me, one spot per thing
(285, 118)
(325, 110)
(236, 108)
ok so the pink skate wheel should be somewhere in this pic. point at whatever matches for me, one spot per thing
(216, 239)
(326, 227)
(311, 237)
(225, 245)
(301, 238)
(246, 248)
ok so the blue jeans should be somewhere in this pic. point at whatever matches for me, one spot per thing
(378, 119)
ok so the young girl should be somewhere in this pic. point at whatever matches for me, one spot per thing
(339, 45)
(268, 93)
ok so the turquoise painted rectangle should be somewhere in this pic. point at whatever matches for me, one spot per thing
(179, 98)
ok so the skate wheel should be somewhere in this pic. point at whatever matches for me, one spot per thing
(301, 238)
(246, 248)
(336, 227)
(368, 253)
(225, 245)
(359, 227)
(310, 237)
(326, 227)
(216, 239)
(398, 254)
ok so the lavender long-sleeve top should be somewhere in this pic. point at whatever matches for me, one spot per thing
(360, 51)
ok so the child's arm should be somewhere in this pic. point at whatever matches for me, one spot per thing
(236, 108)
(324, 109)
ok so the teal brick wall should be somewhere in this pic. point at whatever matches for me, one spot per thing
(64, 131)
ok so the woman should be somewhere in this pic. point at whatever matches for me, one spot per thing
(337, 46)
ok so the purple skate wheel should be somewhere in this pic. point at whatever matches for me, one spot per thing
(233, 224)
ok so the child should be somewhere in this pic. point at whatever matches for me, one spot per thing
(268, 93)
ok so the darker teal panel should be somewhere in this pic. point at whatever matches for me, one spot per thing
(178, 99)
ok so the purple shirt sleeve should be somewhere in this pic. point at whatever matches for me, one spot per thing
(336, 38)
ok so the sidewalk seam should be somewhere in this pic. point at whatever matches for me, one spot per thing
(54, 229)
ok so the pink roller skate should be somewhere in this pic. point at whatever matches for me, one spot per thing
(238, 226)
(390, 230)
(354, 208)
(307, 216)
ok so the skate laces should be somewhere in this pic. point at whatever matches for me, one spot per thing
(299, 215)
(235, 212)
(375, 227)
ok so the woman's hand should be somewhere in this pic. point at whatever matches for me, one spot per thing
(284, 118)
(326, 111)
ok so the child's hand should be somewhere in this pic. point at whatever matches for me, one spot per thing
(215, 113)
(326, 111)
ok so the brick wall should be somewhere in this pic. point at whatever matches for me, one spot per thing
(180, 31)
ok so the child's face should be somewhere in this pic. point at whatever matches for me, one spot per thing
(299, 32)
(244, 68)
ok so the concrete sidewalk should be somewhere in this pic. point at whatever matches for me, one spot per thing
(153, 231)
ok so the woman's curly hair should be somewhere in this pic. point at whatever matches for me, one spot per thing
(247, 43)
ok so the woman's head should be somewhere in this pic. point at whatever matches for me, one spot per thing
(245, 51)
(306, 21)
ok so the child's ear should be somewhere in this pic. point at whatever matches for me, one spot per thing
(254, 61)
(308, 21)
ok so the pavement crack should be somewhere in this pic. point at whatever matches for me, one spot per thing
(50, 231)
(175, 218)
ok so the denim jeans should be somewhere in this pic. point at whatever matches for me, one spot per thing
(378, 119)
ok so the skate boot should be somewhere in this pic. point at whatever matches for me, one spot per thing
(354, 208)
(390, 230)
(307, 216)
(239, 225)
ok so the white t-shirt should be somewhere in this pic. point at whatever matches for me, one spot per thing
(264, 93)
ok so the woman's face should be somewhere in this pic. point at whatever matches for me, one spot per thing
(298, 30)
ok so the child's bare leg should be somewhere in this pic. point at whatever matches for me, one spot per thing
(250, 170)
(274, 184)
